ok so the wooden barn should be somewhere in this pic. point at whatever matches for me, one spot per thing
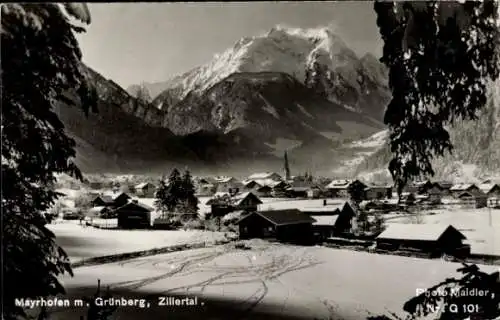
(458, 189)
(283, 225)
(378, 192)
(340, 188)
(264, 191)
(99, 212)
(473, 199)
(113, 200)
(134, 215)
(227, 184)
(330, 226)
(435, 239)
(145, 190)
(225, 203)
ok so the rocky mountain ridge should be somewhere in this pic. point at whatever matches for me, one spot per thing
(355, 83)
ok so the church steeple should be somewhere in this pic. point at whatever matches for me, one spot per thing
(286, 167)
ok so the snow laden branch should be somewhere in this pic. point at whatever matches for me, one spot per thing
(442, 56)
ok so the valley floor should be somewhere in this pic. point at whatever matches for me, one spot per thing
(270, 281)
(87, 242)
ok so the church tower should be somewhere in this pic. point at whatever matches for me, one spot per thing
(287, 168)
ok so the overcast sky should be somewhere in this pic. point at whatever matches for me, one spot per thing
(135, 42)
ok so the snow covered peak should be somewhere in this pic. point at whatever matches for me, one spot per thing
(281, 49)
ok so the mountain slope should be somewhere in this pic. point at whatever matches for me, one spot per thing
(117, 139)
(271, 112)
(355, 83)
(476, 145)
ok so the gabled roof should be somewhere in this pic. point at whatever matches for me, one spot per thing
(263, 182)
(223, 179)
(262, 175)
(105, 199)
(114, 195)
(235, 200)
(325, 220)
(239, 198)
(487, 187)
(136, 204)
(342, 184)
(248, 182)
(283, 217)
(142, 185)
(462, 186)
(99, 209)
(423, 232)
(444, 184)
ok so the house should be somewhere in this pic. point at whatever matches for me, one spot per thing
(340, 188)
(445, 187)
(378, 192)
(205, 189)
(102, 201)
(435, 194)
(112, 199)
(278, 188)
(473, 199)
(222, 204)
(145, 190)
(134, 215)
(283, 225)
(490, 189)
(314, 192)
(298, 189)
(324, 226)
(227, 184)
(265, 176)
(99, 212)
(493, 202)
(458, 189)
(264, 191)
(251, 185)
(434, 239)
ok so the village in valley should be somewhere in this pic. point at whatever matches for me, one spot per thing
(430, 219)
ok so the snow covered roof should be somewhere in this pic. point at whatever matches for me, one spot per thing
(142, 185)
(235, 200)
(341, 184)
(138, 204)
(263, 182)
(325, 220)
(330, 209)
(114, 195)
(423, 232)
(283, 217)
(487, 187)
(223, 179)
(233, 215)
(99, 209)
(462, 186)
(262, 175)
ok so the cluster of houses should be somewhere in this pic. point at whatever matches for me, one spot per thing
(241, 200)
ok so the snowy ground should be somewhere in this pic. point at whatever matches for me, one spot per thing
(267, 282)
(87, 242)
(473, 223)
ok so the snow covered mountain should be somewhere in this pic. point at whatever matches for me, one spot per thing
(315, 57)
